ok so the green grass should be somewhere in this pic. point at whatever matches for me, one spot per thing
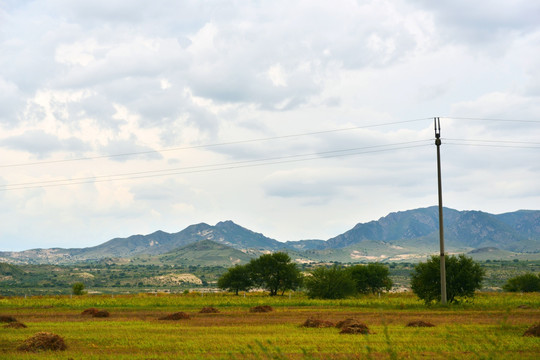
(491, 327)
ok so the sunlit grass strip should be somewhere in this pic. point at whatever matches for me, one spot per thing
(405, 301)
(181, 340)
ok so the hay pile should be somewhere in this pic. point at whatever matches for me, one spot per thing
(317, 323)
(90, 311)
(209, 310)
(176, 316)
(533, 331)
(7, 319)
(96, 313)
(261, 309)
(43, 341)
(355, 329)
(15, 325)
(101, 314)
(346, 323)
(419, 323)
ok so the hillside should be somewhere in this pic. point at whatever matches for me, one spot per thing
(203, 253)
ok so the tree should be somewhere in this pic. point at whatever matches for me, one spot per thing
(275, 272)
(236, 279)
(523, 283)
(330, 283)
(463, 278)
(372, 278)
(78, 288)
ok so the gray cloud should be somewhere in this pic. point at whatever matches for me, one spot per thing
(482, 22)
(42, 144)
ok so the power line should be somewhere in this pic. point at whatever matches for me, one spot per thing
(497, 141)
(494, 143)
(216, 167)
(211, 145)
(491, 119)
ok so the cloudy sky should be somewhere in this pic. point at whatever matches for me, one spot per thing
(294, 119)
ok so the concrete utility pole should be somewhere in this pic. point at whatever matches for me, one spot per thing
(441, 229)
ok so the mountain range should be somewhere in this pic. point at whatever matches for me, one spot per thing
(401, 236)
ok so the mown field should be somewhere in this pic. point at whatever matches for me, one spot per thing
(490, 327)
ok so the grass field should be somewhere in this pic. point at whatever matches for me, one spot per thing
(490, 327)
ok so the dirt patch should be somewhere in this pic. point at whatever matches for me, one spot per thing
(101, 314)
(317, 323)
(346, 323)
(7, 319)
(209, 310)
(261, 309)
(176, 316)
(355, 329)
(43, 341)
(90, 311)
(533, 331)
(420, 323)
(15, 325)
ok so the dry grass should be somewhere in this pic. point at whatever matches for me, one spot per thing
(7, 319)
(209, 310)
(15, 325)
(533, 331)
(346, 323)
(419, 323)
(317, 323)
(355, 329)
(176, 316)
(261, 309)
(43, 341)
(101, 314)
(90, 311)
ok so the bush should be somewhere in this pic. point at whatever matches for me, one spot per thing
(78, 288)
(523, 283)
(330, 283)
(463, 278)
(372, 278)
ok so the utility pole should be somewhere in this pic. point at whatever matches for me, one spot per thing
(441, 229)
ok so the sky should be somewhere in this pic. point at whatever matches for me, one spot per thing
(296, 119)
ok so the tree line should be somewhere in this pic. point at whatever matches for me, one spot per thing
(277, 273)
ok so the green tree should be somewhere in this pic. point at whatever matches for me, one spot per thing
(523, 283)
(78, 288)
(372, 278)
(463, 278)
(275, 272)
(236, 279)
(330, 283)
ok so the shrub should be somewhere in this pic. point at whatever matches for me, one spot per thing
(78, 288)
(372, 278)
(523, 283)
(330, 283)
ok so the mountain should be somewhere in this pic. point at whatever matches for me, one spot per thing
(226, 233)
(400, 236)
(419, 228)
(203, 253)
